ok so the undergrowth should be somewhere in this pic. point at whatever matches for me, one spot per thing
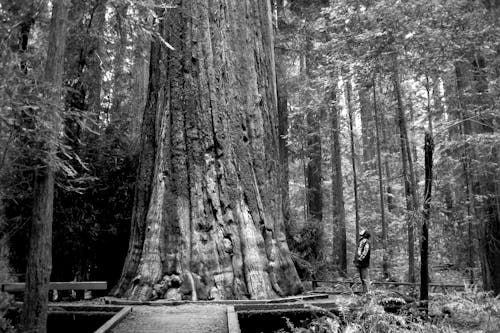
(464, 312)
(6, 301)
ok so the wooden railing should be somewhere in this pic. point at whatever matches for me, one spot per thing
(16, 287)
(351, 283)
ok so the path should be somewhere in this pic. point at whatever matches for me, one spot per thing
(187, 318)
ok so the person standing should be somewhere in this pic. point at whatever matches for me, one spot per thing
(363, 259)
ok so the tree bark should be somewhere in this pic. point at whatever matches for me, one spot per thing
(424, 251)
(140, 72)
(367, 133)
(315, 197)
(282, 94)
(39, 265)
(340, 236)
(385, 260)
(143, 186)
(214, 224)
(411, 205)
(348, 94)
(119, 58)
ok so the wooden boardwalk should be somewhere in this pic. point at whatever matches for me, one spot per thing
(188, 318)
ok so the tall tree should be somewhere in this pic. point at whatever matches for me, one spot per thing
(340, 235)
(282, 94)
(34, 314)
(424, 250)
(348, 97)
(408, 176)
(213, 225)
(489, 182)
(385, 260)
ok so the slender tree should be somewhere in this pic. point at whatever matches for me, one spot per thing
(348, 96)
(408, 177)
(424, 250)
(340, 235)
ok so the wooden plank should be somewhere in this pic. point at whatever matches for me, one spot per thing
(162, 302)
(81, 285)
(233, 325)
(114, 320)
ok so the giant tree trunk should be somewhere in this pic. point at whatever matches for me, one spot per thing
(340, 235)
(39, 265)
(214, 224)
(408, 176)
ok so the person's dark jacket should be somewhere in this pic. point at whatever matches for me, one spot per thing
(363, 253)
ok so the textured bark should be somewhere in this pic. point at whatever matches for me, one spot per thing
(408, 177)
(383, 221)
(283, 125)
(472, 86)
(140, 72)
(39, 265)
(340, 235)
(214, 225)
(143, 186)
(348, 93)
(119, 57)
(314, 193)
(83, 67)
(94, 61)
(367, 127)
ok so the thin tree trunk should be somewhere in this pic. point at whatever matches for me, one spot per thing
(348, 92)
(340, 237)
(465, 130)
(315, 198)
(367, 133)
(385, 261)
(387, 169)
(408, 177)
(39, 266)
(424, 251)
(428, 88)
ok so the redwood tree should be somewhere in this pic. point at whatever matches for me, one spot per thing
(39, 266)
(208, 222)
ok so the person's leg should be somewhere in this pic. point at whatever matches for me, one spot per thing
(362, 278)
(365, 280)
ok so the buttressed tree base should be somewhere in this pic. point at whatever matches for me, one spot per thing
(207, 220)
